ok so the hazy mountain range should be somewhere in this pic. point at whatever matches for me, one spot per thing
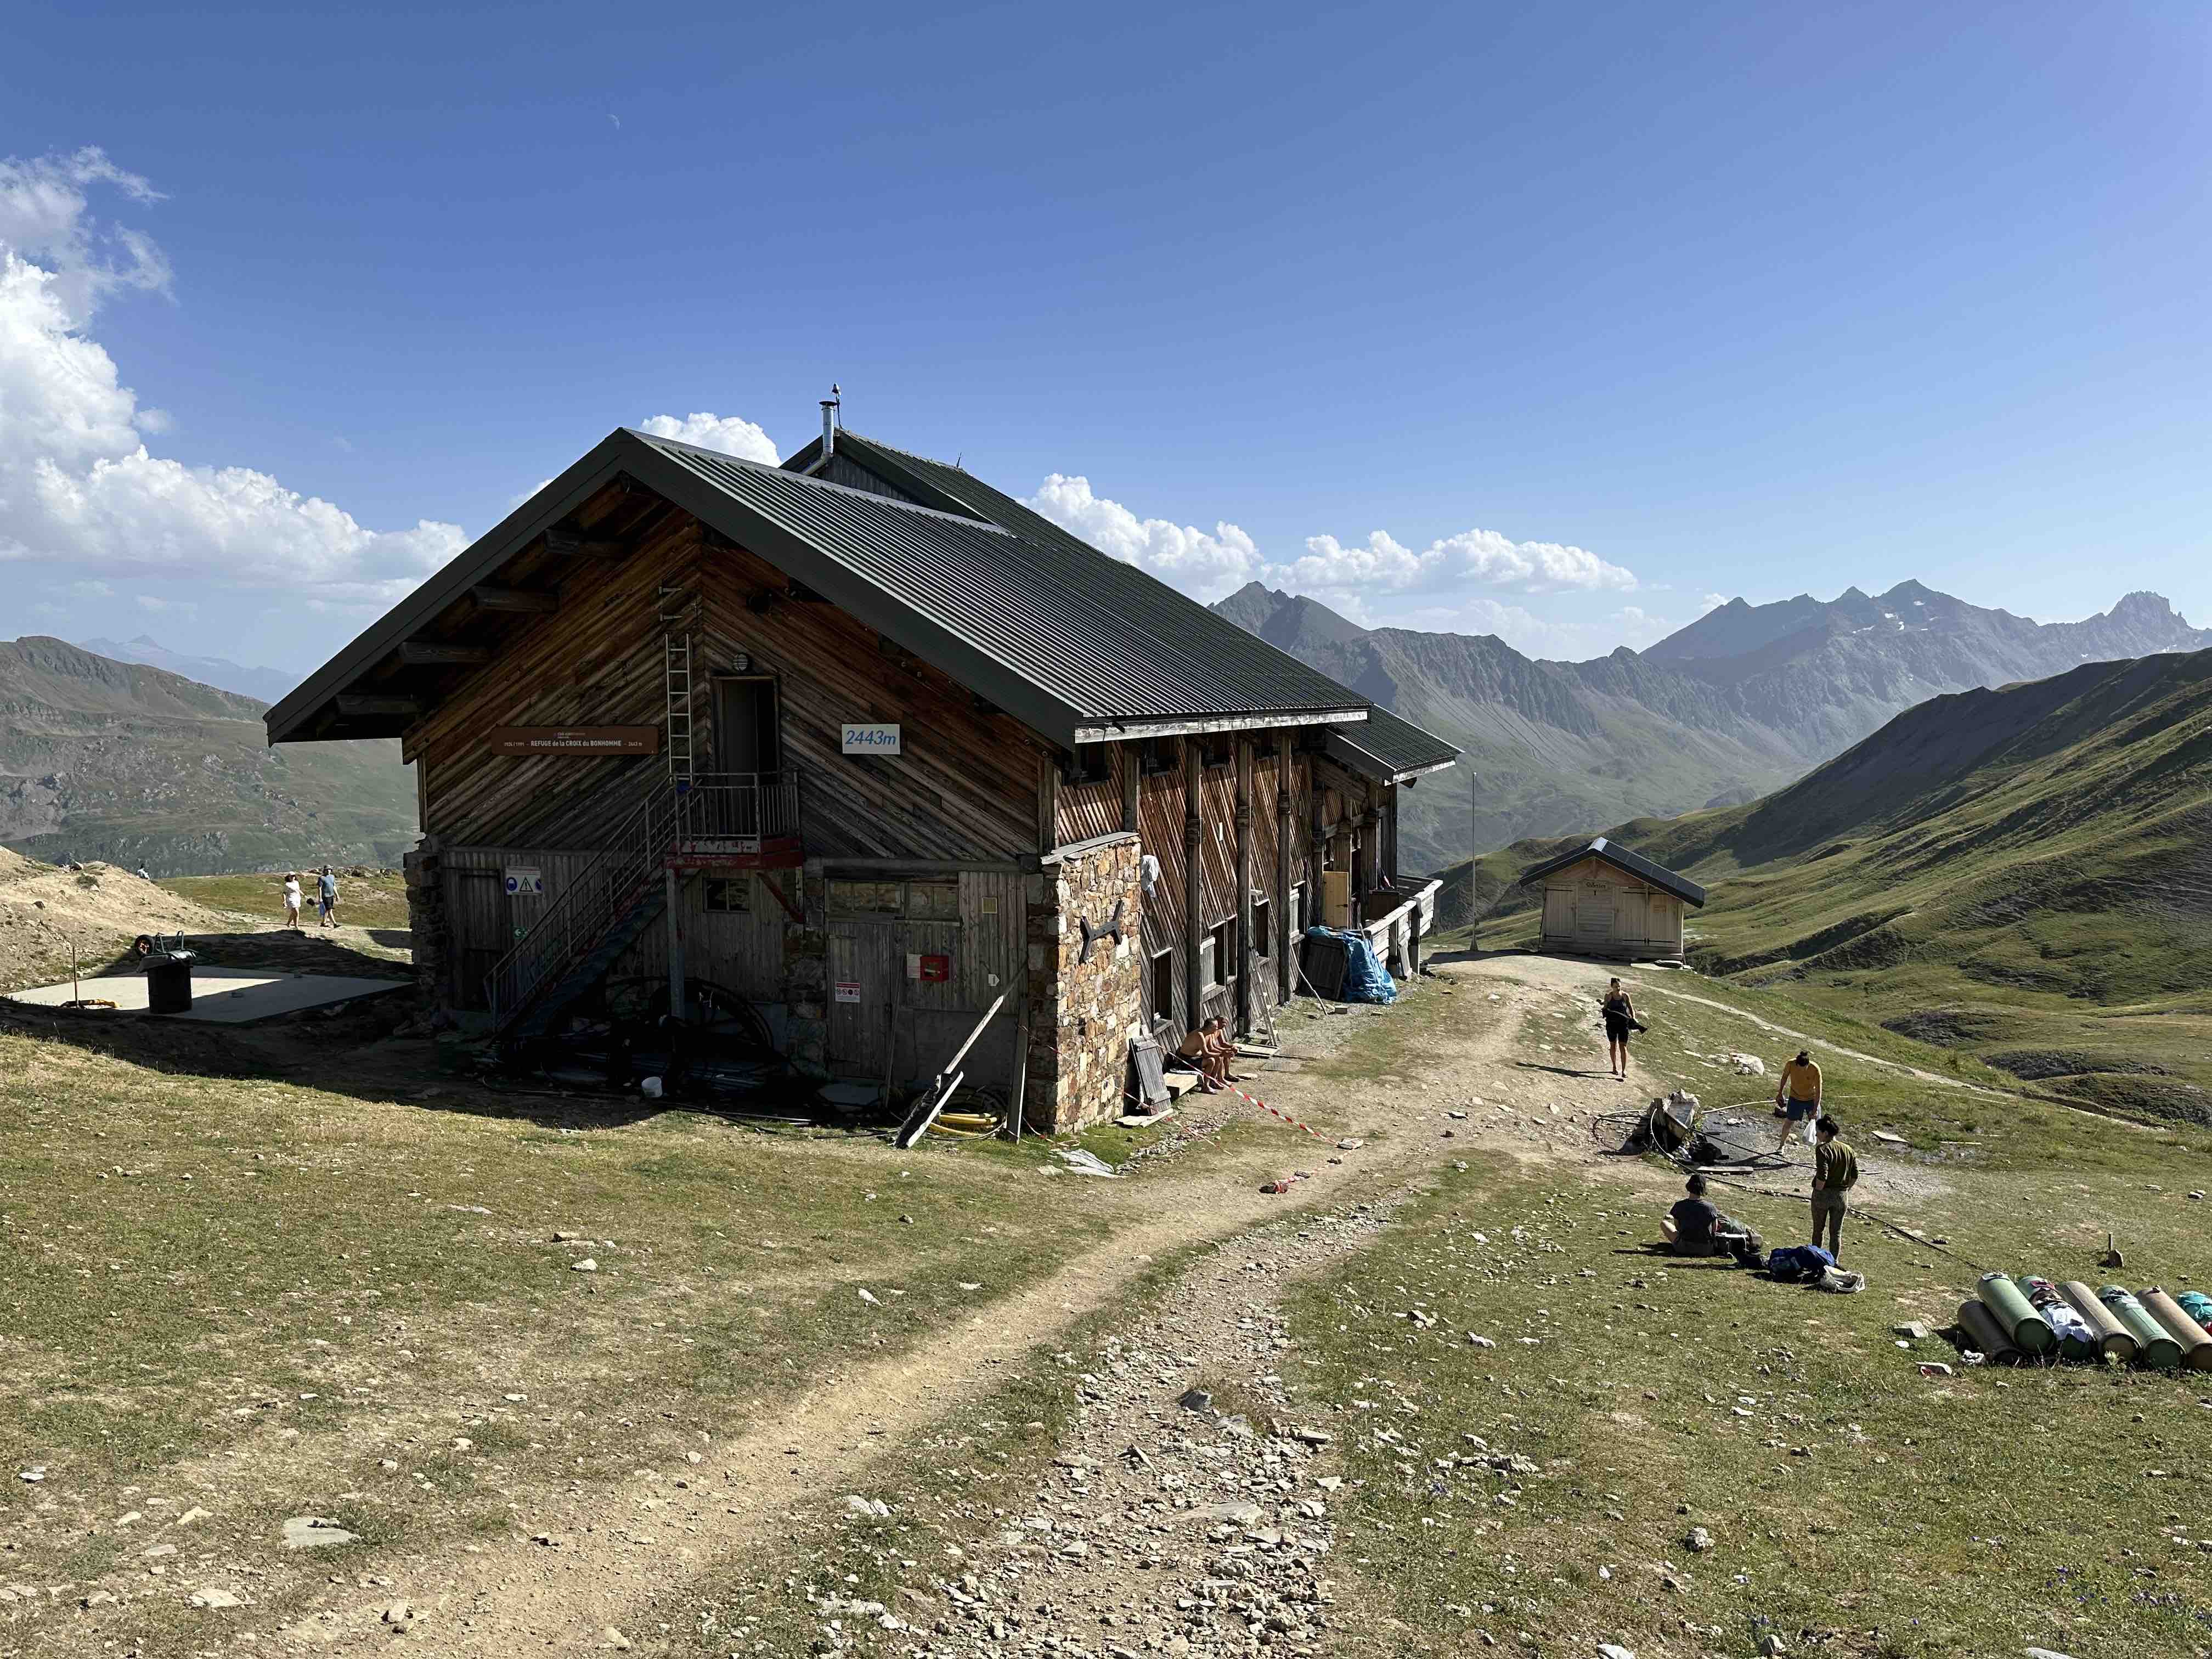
(122, 761)
(269, 684)
(1736, 704)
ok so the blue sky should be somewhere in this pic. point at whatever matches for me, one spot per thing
(1511, 319)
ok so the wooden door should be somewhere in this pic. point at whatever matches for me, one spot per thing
(480, 929)
(1595, 908)
(862, 979)
(747, 735)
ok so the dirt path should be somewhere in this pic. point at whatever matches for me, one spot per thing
(522, 1594)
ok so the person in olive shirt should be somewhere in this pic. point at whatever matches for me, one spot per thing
(1835, 1172)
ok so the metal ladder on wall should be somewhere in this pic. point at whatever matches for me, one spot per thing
(675, 647)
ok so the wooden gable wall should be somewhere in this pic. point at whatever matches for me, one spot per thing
(963, 787)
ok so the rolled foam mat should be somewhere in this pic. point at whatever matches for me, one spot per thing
(2195, 1345)
(1985, 1333)
(2197, 1306)
(2077, 1339)
(2027, 1328)
(2153, 1346)
(2119, 1342)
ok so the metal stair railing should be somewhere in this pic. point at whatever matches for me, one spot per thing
(757, 806)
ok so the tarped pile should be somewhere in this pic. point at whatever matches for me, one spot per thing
(1365, 978)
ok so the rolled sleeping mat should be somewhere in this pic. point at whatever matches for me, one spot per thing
(2119, 1342)
(2196, 1344)
(2197, 1306)
(2028, 1329)
(2154, 1347)
(1983, 1331)
(2077, 1339)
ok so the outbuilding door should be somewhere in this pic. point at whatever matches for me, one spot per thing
(1597, 906)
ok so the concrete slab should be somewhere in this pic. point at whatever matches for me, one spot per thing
(222, 997)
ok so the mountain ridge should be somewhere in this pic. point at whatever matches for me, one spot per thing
(133, 764)
(1724, 710)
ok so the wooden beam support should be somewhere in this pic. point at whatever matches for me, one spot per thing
(407, 705)
(574, 544)
(432, 653)
(516, 599)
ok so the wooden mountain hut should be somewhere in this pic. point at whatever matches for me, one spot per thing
(1603, 900)
(873, 747)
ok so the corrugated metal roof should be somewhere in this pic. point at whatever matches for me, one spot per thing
(1074, 643)
(1109, 642)
(1620, 858)
(1385, 746)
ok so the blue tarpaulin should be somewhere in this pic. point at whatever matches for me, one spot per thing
(1365, 978)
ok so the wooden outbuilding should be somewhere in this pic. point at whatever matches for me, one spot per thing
(1603, 900)
(873, 747)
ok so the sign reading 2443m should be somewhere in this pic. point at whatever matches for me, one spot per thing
(871, 740)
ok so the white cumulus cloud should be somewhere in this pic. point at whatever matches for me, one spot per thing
(1715, 601)
(1477, 558)
(730, 434)
(79, 489)
(1208, 564)
(1204, 565)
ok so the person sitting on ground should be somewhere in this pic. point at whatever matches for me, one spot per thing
(1835, 1172)
(1798, 1094)
(1701, 1230)
(1199, 1049)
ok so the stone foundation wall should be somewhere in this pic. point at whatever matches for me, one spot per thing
(1083, 1008)
(430, 935)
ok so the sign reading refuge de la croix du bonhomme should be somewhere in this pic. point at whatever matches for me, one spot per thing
(871, 740)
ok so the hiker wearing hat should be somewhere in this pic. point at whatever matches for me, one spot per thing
(1798, 1096)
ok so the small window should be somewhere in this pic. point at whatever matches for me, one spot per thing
(933, 901)
(1092, 762)
(865, 899)
(1158, 755)
(1220, 748)
(1163, 984)
(1263, 934)
(730, 896)
(1220, 960)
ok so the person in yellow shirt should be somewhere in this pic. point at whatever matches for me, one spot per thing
(1798, 1096)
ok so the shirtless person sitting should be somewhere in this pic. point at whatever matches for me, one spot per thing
(1207, 1056)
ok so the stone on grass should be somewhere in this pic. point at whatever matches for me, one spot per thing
(586, 1266)
(1699, 1540)
(315, 1532)
(212, 1597)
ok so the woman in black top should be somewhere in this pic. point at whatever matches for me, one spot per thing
(1619, 1017)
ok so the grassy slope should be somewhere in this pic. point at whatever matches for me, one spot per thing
(2021, 874)
(242, 1291)
(376, 901)
(1909, 1531)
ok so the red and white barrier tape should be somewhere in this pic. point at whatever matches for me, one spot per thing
(1271, 1112)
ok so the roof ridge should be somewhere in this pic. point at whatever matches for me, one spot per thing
(811, 482)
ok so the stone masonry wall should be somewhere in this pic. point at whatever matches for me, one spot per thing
(426, 920)
(1082, 1011)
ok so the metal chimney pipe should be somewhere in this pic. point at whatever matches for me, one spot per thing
(829, 427)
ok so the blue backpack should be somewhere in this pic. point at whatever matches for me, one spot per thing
(1795, 1263)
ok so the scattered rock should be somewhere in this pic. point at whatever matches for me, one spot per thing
(397, 1614)
(315, 1532)
(1196, 1401)
(588, 1265)
(214, 1598)
(1771, 1646)
(869, 1297)
(1698, 1541)
(1348, 1145)
(1481, 1341)
(1912, 1330)
(612, 1638)
(195, 1513)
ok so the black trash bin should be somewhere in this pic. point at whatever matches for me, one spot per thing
(169, 982)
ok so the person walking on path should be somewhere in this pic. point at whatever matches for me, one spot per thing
(1619, 1020)
(1835, 1172)
(1797, 1095)
(291, 899)
(326, 896)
